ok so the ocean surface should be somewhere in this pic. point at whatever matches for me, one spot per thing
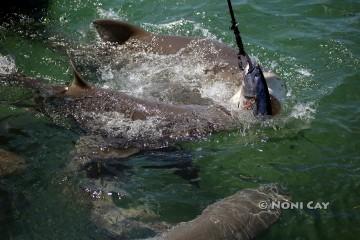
(312, 149)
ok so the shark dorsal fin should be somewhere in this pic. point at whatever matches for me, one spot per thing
(78, 82)
(117, 31)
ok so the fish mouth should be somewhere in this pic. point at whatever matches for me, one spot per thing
(250, 104)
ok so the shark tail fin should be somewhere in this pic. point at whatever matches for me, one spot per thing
(117, 31)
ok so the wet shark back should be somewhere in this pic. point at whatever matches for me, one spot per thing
(238, 217)
(117, 31)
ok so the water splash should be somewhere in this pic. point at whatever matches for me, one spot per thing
(303, 111)
(111, 14)
(181, 27)
(116, 124)
(7, 65)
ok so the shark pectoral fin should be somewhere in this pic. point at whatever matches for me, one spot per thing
(117, 31)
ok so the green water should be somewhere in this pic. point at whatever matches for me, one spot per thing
(312, 150)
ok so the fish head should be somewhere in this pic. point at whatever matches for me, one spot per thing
(256, 93)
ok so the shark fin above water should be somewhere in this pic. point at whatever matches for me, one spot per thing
(78, 81)
(117, 31)
(78, 84)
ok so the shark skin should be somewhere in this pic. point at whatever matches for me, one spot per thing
(241, 216)
(223, 58)
(87, 104)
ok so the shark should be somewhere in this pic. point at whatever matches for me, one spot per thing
(128, 122)
(221, 60)
(137, 39)
(241, 216)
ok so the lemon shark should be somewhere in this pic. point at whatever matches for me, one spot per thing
(126, 121)
(137, 39)
(242, 216)
(222, 60)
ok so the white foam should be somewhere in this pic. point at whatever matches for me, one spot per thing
(177, 27)
(170, 25)
(116, 124)
(7, 65)
(220, 92)
(303, 111)
(159, 77)
(110, 14)
(205, 32)
(106, 73)
(146, 74)
(304, 72)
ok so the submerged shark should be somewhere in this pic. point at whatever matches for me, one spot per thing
(241, 216)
